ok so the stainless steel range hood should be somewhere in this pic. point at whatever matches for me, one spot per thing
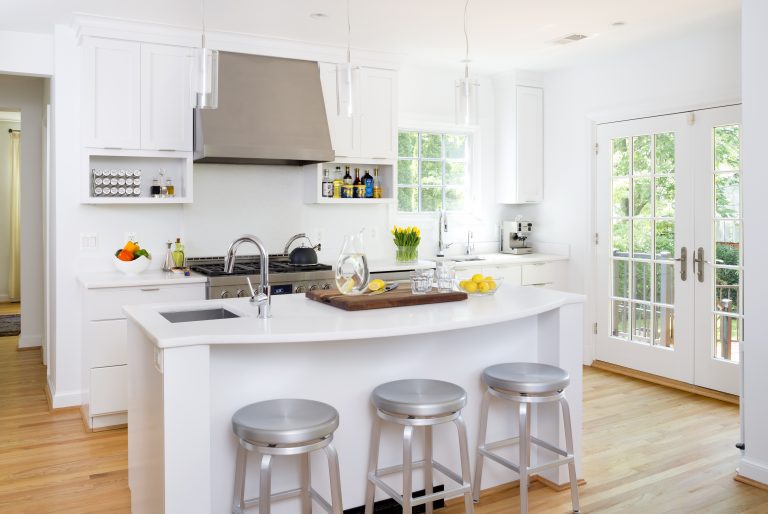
(271, 111)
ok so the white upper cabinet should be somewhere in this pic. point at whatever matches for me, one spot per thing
(371, 133)
(166, 93)
(111, 94)
(136, 96)
(378, 113)
(519, 142)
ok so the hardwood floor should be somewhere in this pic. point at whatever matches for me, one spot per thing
(10, 308)
(647, 449)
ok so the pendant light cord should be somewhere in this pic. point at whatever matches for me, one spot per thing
(349, 37)
(202, 12)
(466, 40)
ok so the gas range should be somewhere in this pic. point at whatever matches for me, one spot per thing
(284, 277)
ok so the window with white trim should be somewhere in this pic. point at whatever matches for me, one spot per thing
(433, 170)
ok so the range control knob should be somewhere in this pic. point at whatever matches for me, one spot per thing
(326, 286)
(224, 294)
(300, 289)
(240, 293)
(313, 287)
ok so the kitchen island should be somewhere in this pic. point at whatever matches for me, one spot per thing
(187, 379)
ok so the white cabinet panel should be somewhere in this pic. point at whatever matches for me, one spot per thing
(108, 303)
(378, 111)
(545, 273)
(111, 93)
(511, 274)
(166, 98)
(109, 390)
(105, 343)
(345, 130)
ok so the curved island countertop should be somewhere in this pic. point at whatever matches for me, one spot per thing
(296, 319)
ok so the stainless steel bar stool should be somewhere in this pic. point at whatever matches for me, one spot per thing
(418, 403)
(526, 383)
(285, 427)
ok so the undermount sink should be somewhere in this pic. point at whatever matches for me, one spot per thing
(198, 315)
(465, 258)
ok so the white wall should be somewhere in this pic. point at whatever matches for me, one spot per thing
(754, 464)
(5, 202)
(26, 94)
(26, 53)
(668, 74)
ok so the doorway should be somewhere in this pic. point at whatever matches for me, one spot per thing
(669, 255)
(10, 227)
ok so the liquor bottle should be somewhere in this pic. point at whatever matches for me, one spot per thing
(359, 186)
(376, 183)
(327, 185)
(171, 188)
(337, 182)
(347, 188)
(178, 254)
(154, 191)
(368, 183)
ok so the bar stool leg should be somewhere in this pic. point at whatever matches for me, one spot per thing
(469, 505)
(428, 487)
(407, 469)
(306, 484)
(265, 484)
(373, 463)
(525, 455)
(333, 469)
(569, 449)
(482, 434)
(238, 498)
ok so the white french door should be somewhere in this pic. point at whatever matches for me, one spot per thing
(669, 259)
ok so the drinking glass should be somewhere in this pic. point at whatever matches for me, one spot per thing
(421, 281)
(445, 276)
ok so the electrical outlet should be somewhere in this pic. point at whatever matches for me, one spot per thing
(129, 236)
(88, 241)
(373, 232)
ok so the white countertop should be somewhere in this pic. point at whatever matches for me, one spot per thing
(296, 319)
(495, 259)
(379, 266)
(104, 279)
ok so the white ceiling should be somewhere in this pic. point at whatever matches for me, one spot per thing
(503, 33)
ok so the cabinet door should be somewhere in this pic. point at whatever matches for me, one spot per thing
(105, 343)
(111, 93)
(378, 113)
(109, 390)
(530, 144)
(552, 274)
(511, 274)
(166, 98)
(345, 131)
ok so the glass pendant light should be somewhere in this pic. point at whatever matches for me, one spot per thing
(207, 74)
(466, 87)
(344, 80)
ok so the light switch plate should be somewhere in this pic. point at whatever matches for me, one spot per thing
(89, 241)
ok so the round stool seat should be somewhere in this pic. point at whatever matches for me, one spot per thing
(285, 421)
(419, 397)
(526, 377)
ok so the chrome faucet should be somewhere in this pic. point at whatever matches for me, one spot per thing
(470, 245)
(261, 297)
(442, 226)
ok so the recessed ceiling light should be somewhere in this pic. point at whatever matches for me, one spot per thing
(618, 24)
(570, 38)
(318, 16)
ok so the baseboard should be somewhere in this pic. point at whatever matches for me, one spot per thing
(752, 473)
(390, 506)
(58, 400)
(667, 382)
(34, 341)
(4, 298)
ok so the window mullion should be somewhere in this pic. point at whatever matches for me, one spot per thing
(418, 175)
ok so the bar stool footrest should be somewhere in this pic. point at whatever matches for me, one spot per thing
(421, 500)
(485, 450)
(289, 494)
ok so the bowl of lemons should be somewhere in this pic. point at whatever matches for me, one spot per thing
(479, 285)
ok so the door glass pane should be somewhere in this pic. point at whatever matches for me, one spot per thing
(727, 336)
(665, 284)
(641, 322)
(620, 319)
(665, 197)
(728, 242)
(641, 155)
(621, 278)
(641, 197)
(727, 148)
(665, 152)
(620, 157)
(664, 327)
(727, 195)
(641, 238)
(621, 197)
(727, 290)
(665, 240)
(620, 238)
(643, 279)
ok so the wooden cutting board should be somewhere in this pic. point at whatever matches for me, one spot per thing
(400, 297)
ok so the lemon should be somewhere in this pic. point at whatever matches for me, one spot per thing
(477, 278)
(488, 279)
(347, 286)
(470, 287)
(376, 284)
(483, 287)
(491, 285)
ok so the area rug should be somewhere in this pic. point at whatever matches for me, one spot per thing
(10, 325)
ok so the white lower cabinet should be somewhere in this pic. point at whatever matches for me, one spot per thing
(550, 274)
(105, 362)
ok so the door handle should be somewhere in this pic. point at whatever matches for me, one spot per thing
(683, 260)
(698, 264)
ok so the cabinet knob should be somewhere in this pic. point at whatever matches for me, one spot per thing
(224, 294)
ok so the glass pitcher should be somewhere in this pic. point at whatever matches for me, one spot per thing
(352, 275)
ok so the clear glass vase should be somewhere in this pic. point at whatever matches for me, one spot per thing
(352, 274)
(407, 254)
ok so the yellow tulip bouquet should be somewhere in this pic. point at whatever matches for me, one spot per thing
(406, 241)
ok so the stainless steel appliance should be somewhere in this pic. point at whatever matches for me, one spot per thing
(284, 277)
(514, 235)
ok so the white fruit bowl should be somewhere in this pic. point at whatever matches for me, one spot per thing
(133, 267)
